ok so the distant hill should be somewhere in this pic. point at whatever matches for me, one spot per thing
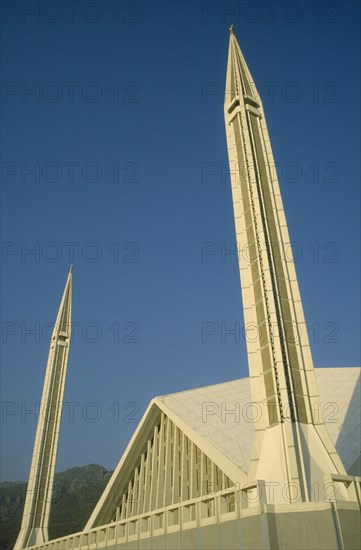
(76, 492)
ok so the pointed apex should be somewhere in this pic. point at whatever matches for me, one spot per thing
(69, 279)
(239, 81)
(63, 320)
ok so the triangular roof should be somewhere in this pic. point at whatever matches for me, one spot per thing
(219, 419)
(232, 434)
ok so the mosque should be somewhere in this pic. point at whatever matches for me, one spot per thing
(263, 462)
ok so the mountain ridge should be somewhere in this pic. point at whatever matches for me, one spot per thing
(76, 492)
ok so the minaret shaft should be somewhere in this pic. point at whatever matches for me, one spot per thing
(280, 363)
(34, 527)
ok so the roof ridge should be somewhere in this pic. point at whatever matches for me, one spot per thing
(317, 369)
(202, 387)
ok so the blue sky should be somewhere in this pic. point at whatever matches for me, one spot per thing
(125, 136)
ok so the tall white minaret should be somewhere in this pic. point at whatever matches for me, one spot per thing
(35, 521)
(291, 447)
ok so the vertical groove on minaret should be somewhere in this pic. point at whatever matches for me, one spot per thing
(259, 258)
(252, 126)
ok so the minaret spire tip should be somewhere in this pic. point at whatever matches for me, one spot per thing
(231, 29)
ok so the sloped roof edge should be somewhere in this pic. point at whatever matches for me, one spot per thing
(107, 503)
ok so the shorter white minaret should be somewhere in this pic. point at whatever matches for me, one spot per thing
(34, 526)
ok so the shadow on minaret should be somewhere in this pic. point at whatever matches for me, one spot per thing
(348, 451)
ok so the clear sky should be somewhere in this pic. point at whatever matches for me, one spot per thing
(118, 158)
